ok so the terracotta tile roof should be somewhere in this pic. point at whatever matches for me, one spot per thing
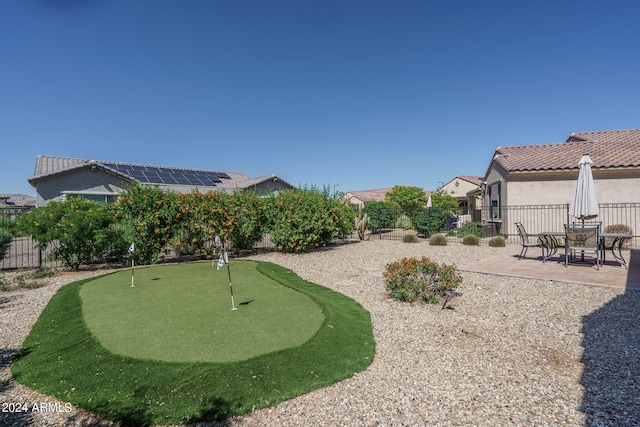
(607, 149)
(475, 180)
(18, 200)
(371, 195)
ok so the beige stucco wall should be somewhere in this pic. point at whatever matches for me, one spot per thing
(609, 189)
(458, 188)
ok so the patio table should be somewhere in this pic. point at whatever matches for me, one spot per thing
(616, 245)
(550, 244)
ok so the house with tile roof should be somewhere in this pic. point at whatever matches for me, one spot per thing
(546, 174)
(56, 178)
(464, 188)
(20, 201)
(358, 198)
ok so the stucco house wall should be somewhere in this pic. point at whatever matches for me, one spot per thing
(546, 174)
(78, 182)
(610, 188)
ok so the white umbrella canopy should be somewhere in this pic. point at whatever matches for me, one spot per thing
(584, 205)
(429, 201)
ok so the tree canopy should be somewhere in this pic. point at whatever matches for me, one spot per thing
(406, 197)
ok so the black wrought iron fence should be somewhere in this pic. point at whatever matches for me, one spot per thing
(22, 251)
(501, 222)
(394, 224)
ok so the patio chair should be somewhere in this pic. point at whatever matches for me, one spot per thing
(451, 224)
(526, 244)
(584, 239)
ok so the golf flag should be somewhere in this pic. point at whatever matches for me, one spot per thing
(132, 248)
(224, 259)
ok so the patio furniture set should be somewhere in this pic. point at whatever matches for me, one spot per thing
(577, 239)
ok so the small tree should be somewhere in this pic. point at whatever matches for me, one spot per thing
(151, 215)
(301, 219)
(434, 220)
(406, 198)
(80, 231)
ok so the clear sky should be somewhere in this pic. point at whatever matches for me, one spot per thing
(349, 94)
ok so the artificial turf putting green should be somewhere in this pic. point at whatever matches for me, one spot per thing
(63, 358)
(182, 313)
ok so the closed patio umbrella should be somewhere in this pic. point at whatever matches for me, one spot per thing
(584, 204)
(429, 201)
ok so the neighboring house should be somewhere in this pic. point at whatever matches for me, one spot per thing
(546, 174)
(55, 178)
(20, 201)
(464, 189)
(357, 199)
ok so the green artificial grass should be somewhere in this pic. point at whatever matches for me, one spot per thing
(182, 313)
(61, 357)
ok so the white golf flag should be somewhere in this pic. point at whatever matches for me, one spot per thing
(223, 260)
(132, 248)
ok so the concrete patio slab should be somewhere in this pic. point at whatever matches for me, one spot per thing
(611, 274)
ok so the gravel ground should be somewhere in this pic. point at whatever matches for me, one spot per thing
(509, 351)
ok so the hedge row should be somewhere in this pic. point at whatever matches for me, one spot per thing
(157, 221)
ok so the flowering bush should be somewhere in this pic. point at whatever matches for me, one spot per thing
(412, 279)
(79, 231)
(301, 219)
(149, 213)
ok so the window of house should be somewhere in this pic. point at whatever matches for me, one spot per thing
(494, 200)
(96, 197)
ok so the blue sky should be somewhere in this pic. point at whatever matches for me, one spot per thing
(353, 95)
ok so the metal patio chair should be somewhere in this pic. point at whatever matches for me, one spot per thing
(584, 239)
(452, 222)
(526, 244)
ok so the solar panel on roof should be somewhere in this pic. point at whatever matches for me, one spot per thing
(139, 175)
(169, 175)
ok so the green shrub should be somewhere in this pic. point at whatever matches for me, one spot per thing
(470, 228)
(403, 221)
(438, 240)
(410, 238)
(427, 221)
(7, 223)
(302, 219)
(470, 240)
(6, 237)
(380, 215)
(5, 284)
(150, 214)
(76, 229)
(412, 279)
(497, 242)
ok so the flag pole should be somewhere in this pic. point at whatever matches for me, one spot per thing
(132, 251)
(133, 269)
(233, 304)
